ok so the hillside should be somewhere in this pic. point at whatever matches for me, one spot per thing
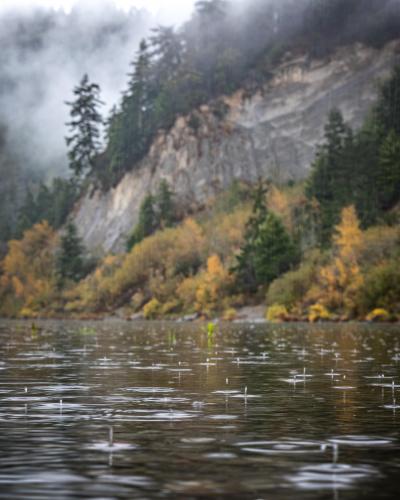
(272, 133)
(256, 165)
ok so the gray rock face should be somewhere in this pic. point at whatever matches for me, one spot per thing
(273, 133)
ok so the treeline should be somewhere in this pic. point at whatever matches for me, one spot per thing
(362, 167)
(220, 49)
(51, 203)
(328, 248)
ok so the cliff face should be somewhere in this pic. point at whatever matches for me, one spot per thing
(271, 133)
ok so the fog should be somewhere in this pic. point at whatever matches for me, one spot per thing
(44, 54)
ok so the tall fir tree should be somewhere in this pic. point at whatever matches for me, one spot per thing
(244, 268)
(268, 250)
(329, 181)
(165, 205)
(84, 140)
(70, 260)
(274, 250)
(147, 222)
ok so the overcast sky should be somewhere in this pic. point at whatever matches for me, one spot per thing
(183, 6)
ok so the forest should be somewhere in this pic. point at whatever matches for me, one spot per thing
(326, 248)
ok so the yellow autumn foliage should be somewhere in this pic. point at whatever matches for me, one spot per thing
(318, 312)
(152, 309)
(224, 233)
(339, 281)
(213, 286)
(378, 315)
(154, 268)
(277, 313)
(28, 282)
(207, 292)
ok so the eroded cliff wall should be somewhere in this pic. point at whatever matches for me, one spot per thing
(272, 133)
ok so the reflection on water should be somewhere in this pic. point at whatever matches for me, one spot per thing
(118, 410)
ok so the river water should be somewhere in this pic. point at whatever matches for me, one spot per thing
(159, 410)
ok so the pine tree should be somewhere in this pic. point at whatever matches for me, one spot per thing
(70, 260)
(139, 98)
(388, 107)
(245, 262)
(268, 250)
(167, 49)
(389, 171)
(330, 179)
(84, 142)
(147, 222)
(274, 250)
(165, 205)
(27, 215)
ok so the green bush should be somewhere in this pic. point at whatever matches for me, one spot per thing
(291, 288)
(381, 288)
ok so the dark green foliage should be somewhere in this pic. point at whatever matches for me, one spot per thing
(147, 222)
(362, 168)
(328, 23)
(268, 250)
(274, 250)
(165, 205)
(291, 288)
(389, 171)
(70, 260)
(84, 141)
(156, 212)
(239, 192)
(381, 287)
(388, 108)
(329, 182)
(52, 203)
(215, 53)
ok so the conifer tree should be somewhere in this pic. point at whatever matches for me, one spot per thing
(70, 260)
(329, 182)
(147, 222)
(274, 250)
(268, 250)
(84, 139)
(389, 171)
(388, 107)
(165, 205)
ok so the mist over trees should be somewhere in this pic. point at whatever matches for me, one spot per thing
(224, 46)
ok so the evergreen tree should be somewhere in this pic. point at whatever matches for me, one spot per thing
(329, 182)
(139, 100)
(245, 262)
(167, 50)
(268, 250)
(130, 129)
(274, 250)
(84, 142)
(165, 205)
(27, 215)
(63, 197)
(147, 222)
(389, 171)
(70, 260)
(387, 109)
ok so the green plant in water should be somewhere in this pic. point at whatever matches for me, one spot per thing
(86, 330)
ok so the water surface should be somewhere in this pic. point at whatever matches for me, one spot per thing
(129, 410)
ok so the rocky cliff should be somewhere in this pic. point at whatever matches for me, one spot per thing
(273, 133)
